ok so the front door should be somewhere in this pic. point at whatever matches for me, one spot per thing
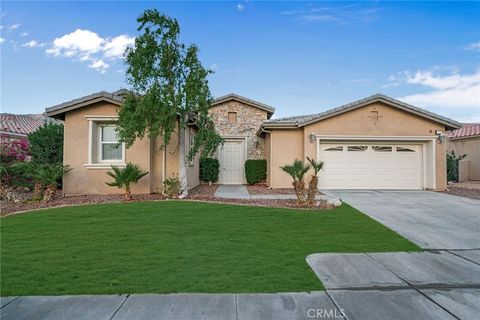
(232, 160)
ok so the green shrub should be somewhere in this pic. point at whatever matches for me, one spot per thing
(172, 187)
(452, 165)
(46, 144)
(255, 170)
(209, 169)
(123, 178)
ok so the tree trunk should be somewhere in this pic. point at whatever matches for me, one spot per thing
(299, 187)
(49, 193)
(128, 194)
(38, 191)
(182, 165)
(312, 190)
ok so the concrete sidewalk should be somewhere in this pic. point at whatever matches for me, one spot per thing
(170, 306)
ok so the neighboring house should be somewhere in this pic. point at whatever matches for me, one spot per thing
(466, 140)
(374, 143)
(19, 126)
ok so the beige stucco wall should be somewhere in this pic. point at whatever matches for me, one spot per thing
(146, 153)
(267, 155)
(470, 147)
(249, 120)
(391, 122)
(82, 180)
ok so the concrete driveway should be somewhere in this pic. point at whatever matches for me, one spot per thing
(429, 219)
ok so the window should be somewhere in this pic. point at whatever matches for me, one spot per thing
(232, 117)
(339, 148)
(382, 148)
(403, 149)
(357, 148)
(109, 149)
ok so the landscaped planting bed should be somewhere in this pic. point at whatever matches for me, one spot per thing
(178, 246)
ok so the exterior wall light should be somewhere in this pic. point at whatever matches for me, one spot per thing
(312, 137)
(440, 135)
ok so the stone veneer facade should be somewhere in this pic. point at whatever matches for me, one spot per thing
(249, 119)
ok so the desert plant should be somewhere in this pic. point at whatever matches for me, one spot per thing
(172, 187)
(452, 165)
(49, 175)
(123, 178)
(313, 184)
(255, 170)
(209, 169)
(46, 144)
(297, 171)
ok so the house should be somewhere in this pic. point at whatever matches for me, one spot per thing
(16, 126)
(466, 140)
(373, 143)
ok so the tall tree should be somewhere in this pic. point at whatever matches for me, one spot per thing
(169, 90)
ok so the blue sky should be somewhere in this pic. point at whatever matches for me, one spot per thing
(300, 57)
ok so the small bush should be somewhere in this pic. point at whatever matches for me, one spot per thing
(255, 170)
(46, 144)
(172, 187)
(209, 169)
(452, 165)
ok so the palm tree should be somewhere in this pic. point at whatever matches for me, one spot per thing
(313, 184)
(123, 178)
(49, 175)
(297, 171)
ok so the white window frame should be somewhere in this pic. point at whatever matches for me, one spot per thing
(94, 122)
(100, 144)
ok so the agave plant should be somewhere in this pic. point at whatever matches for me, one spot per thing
(313, 184)
(123, 178)
(297, 171)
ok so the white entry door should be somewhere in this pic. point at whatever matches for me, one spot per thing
(232, 162)
(370, 166)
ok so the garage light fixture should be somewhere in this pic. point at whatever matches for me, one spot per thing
(440, 135)
(313, 136)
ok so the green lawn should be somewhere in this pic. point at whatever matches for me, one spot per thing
(178, 246)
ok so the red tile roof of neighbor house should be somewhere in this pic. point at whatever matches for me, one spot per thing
(19, 124)
(467, 130)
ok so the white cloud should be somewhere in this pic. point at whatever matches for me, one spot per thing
(115, 47)
(214, 67)
(240, 6)
(2, 40)
(342, 15)
(24, 34)
(86, 45)
(13, 27)
(461, 91)
(33, 44)
(99, 65)
(475, 46)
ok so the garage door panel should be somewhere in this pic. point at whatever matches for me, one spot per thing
(370, 166)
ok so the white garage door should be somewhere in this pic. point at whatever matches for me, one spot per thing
(370, 166)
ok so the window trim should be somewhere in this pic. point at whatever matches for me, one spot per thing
(94, 121)
(100, 144)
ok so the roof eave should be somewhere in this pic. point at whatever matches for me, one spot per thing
(55, 112)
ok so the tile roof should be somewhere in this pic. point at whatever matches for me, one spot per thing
(270, 110)
(20, 124)
(70, 105)
(300, 121)
(466, 131)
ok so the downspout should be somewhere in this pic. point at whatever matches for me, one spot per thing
(164, 166)
(270, 156)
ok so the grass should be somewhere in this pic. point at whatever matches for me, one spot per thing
(178, 246)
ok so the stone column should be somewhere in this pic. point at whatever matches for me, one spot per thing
(462, 170)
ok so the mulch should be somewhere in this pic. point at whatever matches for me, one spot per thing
(464, 192)
(263, 189)
(202, 192)
(11, 207)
